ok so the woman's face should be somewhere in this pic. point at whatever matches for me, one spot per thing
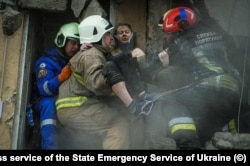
(124, 34)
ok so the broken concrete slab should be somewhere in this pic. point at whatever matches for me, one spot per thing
(94, 8)
(46, 5)
(77, 6)
(226, 140)
(12, 20)
(160, 143)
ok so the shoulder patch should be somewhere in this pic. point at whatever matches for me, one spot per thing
(42, 73)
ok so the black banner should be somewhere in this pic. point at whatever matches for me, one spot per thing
(123, 157)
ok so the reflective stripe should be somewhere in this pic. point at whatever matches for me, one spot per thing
(48, 122)
(177, 127)
(180, 120)
(79, 78)
(202, 59)
(232, 126)
(223, 81)
(46, 89)
(70, 102)
(182, 123)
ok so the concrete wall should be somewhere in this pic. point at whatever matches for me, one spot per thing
(232, 15)
(10, 47)
(156, 9)
(136, 14)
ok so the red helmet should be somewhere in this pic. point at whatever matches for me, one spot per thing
(178, 19)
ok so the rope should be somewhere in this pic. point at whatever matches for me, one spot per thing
(244, 68)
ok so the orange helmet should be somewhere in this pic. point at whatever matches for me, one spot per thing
(178, 19)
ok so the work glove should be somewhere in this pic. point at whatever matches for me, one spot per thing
(65, 73)
(137, 52)
(164, 57)
(140, 108)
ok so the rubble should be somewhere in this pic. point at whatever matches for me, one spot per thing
(12, 20)
(226, 140)
(161, 143)
(220, 141)
(94, 8)
(46, 5)
(77, 7)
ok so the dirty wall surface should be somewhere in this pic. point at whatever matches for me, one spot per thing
(9, 64)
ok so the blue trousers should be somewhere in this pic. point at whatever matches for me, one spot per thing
(47, 110)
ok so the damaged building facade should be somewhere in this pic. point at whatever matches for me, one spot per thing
(28, 28)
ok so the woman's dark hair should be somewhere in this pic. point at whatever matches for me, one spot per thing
(123, 24)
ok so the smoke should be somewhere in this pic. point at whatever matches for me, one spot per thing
(69, 138)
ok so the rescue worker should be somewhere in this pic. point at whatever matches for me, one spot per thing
(160, 71)
(51, 70)
(195, 112)
(83, 99)
(125, 42)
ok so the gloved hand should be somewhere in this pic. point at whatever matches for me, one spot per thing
(65, 73)
(137, 52)
(164, 57)
(140, 108)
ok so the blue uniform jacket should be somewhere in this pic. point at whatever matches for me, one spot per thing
(47, 68)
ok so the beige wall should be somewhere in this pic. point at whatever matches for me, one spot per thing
(10, 49)
(134, 13)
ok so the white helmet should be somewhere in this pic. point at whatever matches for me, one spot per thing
(92, 28)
